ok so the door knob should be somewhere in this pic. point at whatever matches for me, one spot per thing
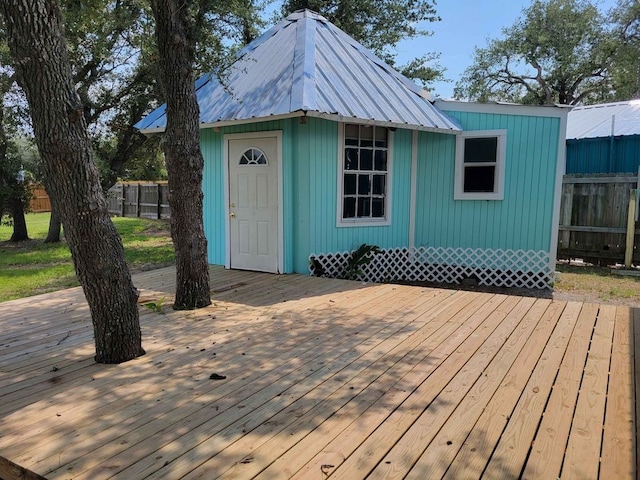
(232, 215)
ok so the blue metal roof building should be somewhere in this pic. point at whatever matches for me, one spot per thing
(306, 66)
(604, 138)
(313, 146)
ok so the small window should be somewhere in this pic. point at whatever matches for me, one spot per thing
(364, 174)
(253, 156)
(480, 159)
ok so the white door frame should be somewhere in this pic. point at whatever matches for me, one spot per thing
(225, 157)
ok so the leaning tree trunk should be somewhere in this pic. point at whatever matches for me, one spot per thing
(40, 58)
(16, 207)
(55, 225)
(182, 152)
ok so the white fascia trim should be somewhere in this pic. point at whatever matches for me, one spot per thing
(151, 131)
(260, 134)
(504, 109)
(225, 159)
(227, 123)
(340, 223)
(458, 190)
(326, 116)
(560, 170)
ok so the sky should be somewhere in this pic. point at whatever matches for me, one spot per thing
(466, 24)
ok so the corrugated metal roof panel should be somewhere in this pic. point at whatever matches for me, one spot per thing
(306, 64)
(595, 121)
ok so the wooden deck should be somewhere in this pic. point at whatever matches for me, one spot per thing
(324, 378)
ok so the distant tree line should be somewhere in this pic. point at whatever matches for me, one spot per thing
(560, 52)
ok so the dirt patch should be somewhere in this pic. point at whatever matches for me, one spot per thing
(26, 245)
(145, 267)
(159, 228)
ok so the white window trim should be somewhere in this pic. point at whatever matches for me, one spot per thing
(498, 194)
(360, 222)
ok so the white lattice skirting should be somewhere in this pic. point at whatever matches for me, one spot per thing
(501, 268)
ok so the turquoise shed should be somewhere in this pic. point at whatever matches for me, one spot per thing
(314, 147)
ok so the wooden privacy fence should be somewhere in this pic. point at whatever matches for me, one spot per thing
(599, 218)
(146, 200)
(40, 201)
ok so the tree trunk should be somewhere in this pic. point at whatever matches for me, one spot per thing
(40, 58)
(182, 152)
(3, 153)
(20, 233)
(55, 225)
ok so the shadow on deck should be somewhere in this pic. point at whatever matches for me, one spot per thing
(323, 378)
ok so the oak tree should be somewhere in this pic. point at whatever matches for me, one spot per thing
(37, 45)
(626, 64)
(559, 51)
(181, 145)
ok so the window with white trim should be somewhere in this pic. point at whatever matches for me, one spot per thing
(365, 175)
(480, 164)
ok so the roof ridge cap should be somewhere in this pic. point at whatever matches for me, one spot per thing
(305, 13)
(303, 85)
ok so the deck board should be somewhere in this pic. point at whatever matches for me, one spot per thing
(464, 390)
(477, 448)
(336, 439)
(472, 353)
(514, 360)
(617, 461)
(584, 446)
(553, 433)
(325, 379)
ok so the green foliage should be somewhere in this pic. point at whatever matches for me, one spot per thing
(358, 259)
(113, 55)
(559, 51)
(155, 306)
(20, 156)
(380, 25)
(146, 163)
(112, 52)
(424, 69)
(221, 28)
(626, 63)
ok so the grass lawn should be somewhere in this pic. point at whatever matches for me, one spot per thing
(33, 267)
(596, 284)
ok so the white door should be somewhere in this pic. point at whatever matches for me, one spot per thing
(253, 203)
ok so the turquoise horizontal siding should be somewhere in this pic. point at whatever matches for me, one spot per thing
(315, 178)
(596, 155)
(523, 220)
